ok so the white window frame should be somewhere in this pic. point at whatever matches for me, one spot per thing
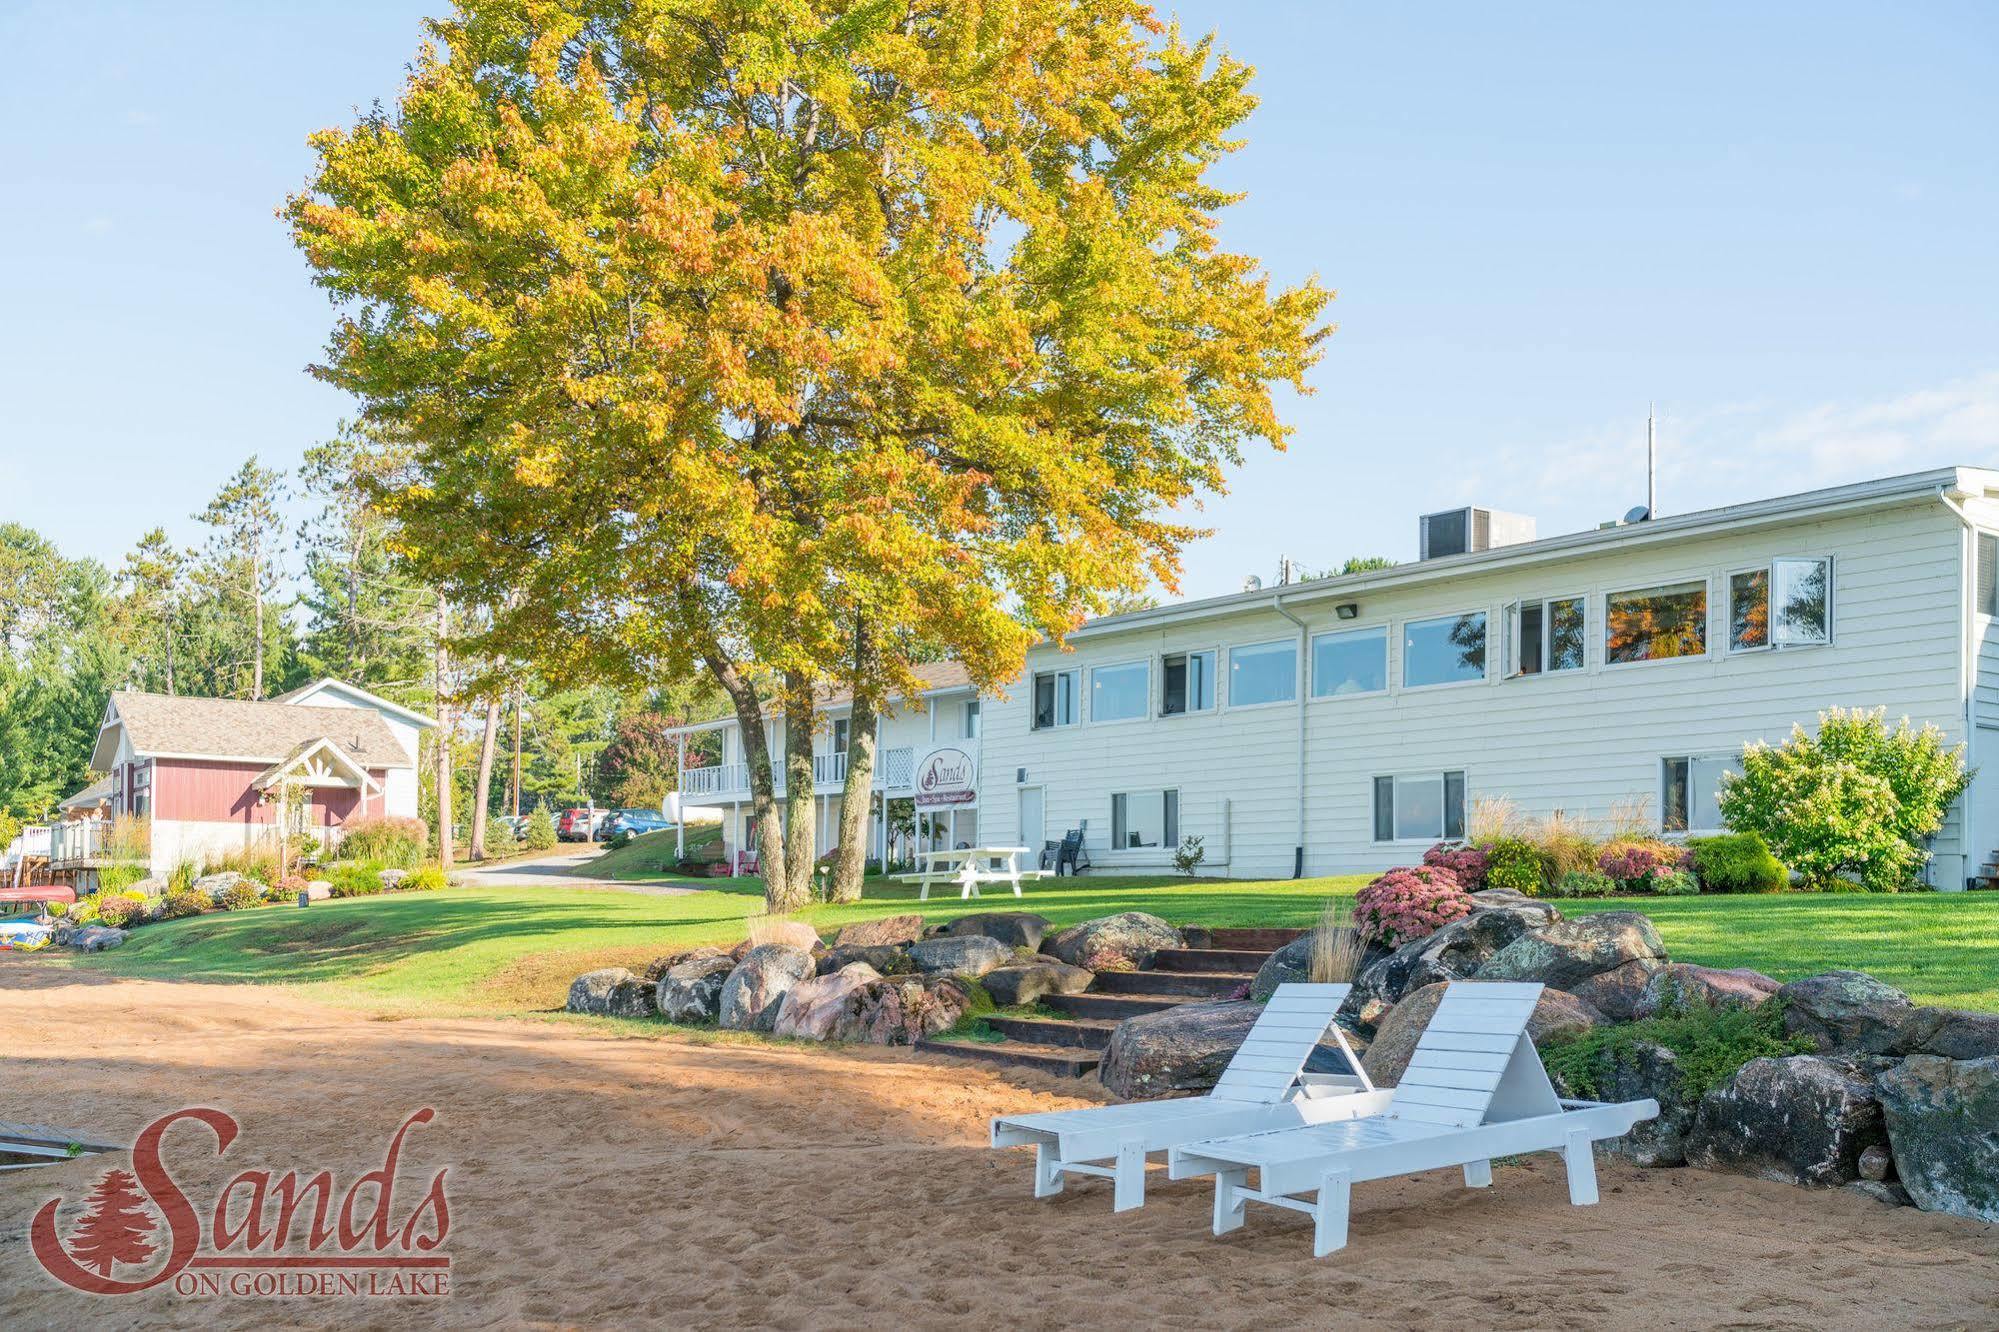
(1169, 832)
(1769, 571)
(972, 718)
(1509, 618)
(1291, 702)
(1442, 777)
(1690, 757)
(1402, 632)
(1034, 703)
(1704, 581)
(1215, 657)
(1145, 694)
(1385, 629)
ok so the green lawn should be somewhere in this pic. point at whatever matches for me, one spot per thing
(497, 951)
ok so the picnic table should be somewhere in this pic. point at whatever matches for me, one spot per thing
(970, 866)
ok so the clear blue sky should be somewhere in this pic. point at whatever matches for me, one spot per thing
(1777, 220)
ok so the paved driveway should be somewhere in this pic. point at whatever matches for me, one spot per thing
(563, 871)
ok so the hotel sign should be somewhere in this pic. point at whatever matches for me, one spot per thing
(946, 775)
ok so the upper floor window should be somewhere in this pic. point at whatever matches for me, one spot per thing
(1118, 693)
(1145, 818)
(1351, 662)
(1690, 791)
(1263, 673)
(1788, 604)
(1545, 636)
(1187, 681)
(1055, 699)
(1655, 623)
(972, 719)
(1447, 650)
(1988, 574)
(1421, 807)
(843, 730)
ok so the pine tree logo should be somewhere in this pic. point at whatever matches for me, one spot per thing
(115, 1227)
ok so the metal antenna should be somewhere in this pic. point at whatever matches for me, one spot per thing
(1651, 463)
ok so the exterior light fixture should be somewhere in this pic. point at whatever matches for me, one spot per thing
(1347, 610)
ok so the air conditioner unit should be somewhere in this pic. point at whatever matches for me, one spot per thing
(1462, 531)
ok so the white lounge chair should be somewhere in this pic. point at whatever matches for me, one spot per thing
(1474, 1089)
(1264, 1087)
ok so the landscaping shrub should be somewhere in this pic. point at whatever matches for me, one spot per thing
(1564, 850)
(1406, 904)
(541, 830)
(1188, 857)
(396, 843)
(183, 875)
(1710, 1042)
(1515, 863)
(500, 839)
(129, 840)
(1675, 883)
(1737, 863)
(1584, 883)
(425, 879)
(285, 890)
(240, 896)
(113, 878)
(1467, 863)
(1634, 863)
(83, 911)
(185, 902)
(1857, 803)
(355, 880)
(118, 910)
(252, 862)
(58, 910)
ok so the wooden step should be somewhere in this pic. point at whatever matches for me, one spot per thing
(1268, 941)
(1062, 1061)
(1244, 960)
(1118, 1006)
(1075, 1033)
(1187, 984)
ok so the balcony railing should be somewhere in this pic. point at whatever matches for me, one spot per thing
(719, 779)
(894, 769)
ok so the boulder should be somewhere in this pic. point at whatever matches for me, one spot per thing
(970, 956)
(790, 933)
(1645, 1070)
(1681, 983)
(318, 890)
(884, 958)
(1124, 942)
(1877, 1162)
(1953, 1033)
(886, 932)
(1454, 952)
(1619, 994)
(1848, 1012)
(218, 883)
(1286, 966)
(1015, 929)
(1804, 1119)
(901, 1010)
(392, 879)
(1892, 1194)
(690, 989)
(1537, 912)
(1567, 953)
(659, 965)
(1175, 1050)
(1557, 1014)
(150, 886)
(1943, 1126)
(96, 938)
(812, 1007)
(611, 992)
(751, 995)
(1024, 982)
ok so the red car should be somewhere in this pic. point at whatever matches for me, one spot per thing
(578, 825)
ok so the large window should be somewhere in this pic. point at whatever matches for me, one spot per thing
(1450, 650)
(1145, 818)
(1353, 662)
(1424, 807)
(974, 718)
(1187, 683)
(1788, 604)
(1655, 623)
(843, 730)
(1055, 699)
(1690, 791)
(1118, 693)
(1263, 673)
(1544, 636)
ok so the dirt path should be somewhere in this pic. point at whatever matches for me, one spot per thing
(608, 1182)
(564, 870)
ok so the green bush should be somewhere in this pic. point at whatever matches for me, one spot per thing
(240, 896)
(1675, 883)
(1855, 804)
(355, 880)
(1514, 862)
(428, 879)
(1737, 863)
(500, 839)
(114, 878)
(392, 842)
(182, 876)
(182, 902)
(1584, 883)
(118, 910)
(83, 911)
(1710, 1043)
(541, 830)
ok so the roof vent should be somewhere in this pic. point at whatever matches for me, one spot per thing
(1252, 584)
(1464, 531)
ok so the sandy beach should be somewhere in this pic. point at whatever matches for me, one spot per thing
(596, 1180)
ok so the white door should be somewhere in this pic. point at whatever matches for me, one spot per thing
(1031, 833)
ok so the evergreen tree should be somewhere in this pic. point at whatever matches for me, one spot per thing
(115, 1228)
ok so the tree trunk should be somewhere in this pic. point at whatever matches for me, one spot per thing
(756, 757)
(482, 791)
(444, 847)
(514, 785)
(850, 866)
(801, 823)
(257, 616)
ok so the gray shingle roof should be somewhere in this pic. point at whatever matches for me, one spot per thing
(266, 731)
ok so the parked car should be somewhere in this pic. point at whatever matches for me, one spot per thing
(634, 821)
(579, 825)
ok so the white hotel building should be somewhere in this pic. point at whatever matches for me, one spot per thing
(1341, 725)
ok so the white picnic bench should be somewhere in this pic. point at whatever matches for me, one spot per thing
(969, 867)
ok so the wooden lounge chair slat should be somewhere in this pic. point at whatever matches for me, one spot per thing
(1465, 1024)
(1471, 1079)
(1458, 1098)
(1486, 1043)
(1427, 1058)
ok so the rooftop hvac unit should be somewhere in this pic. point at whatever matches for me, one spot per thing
(1462, 531)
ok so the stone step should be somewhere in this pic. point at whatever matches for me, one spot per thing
(1188, 984)
(1118, 1006)
(1268, 941)
(1062, 1061)
(1244, 960)
(1075, 1033)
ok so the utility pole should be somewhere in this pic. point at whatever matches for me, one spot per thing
(1651, 463)
(514, 798)
(443, 734)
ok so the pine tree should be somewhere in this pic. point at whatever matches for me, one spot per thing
(115, 1228)
(244, 514)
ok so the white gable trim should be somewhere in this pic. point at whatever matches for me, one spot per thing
(303, 698)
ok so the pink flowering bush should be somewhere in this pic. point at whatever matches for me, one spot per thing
(1466, 863)
(1636, 864)
(1406, 904)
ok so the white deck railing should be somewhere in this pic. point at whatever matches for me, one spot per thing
(78, 839)
(894, 769)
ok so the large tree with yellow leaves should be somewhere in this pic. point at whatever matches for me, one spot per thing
(799, 340)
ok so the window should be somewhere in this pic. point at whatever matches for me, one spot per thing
(1788, 604)
(1118, 693)
(1450, 650)
(973, 719)
(1428, 807)
(1188, 680)
(842, 730)
(1690, 791)
(1145, 818)
(1354, 662)
(1988, 574)
(1054, 699)
(1544, 636)
(1263, 673)
(1655, 623)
